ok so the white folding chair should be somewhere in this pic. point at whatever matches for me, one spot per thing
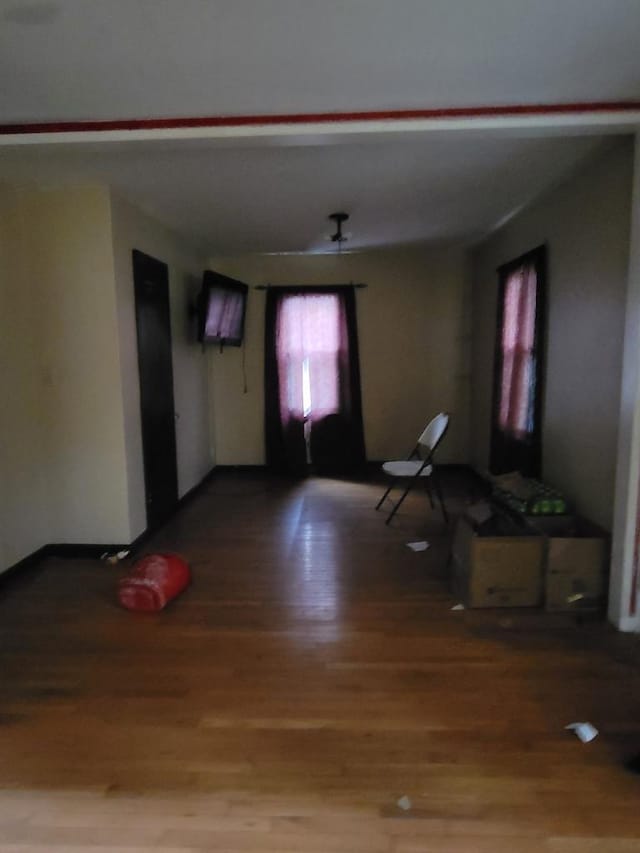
(419, 467)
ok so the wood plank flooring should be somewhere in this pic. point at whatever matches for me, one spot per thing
(312, 675)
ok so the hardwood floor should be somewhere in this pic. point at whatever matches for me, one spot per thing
(312, 675)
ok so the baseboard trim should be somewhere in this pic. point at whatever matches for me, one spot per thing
(241, 469)
(82, 551)
(191, 494)
(148, 532)
(63, 550)
(93, 551)
(371, 467)
(30, 562)
(464, 467)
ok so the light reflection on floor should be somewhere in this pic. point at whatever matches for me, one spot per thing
(310, 581)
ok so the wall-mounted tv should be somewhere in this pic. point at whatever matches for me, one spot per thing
(222, 309)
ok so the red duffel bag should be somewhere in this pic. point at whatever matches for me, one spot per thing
(153, 582)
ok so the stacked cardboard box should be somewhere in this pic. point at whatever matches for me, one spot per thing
(576, 563)
(496, 563)
(508, 561)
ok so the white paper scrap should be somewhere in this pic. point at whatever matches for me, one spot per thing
(112, 559)
(458, 607)
(404, 803)
(418, 546)
(585, 731)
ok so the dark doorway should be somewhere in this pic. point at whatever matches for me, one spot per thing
(151, 283)
(516, 429)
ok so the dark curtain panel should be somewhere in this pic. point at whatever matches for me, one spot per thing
(284, 433)
(313, 409)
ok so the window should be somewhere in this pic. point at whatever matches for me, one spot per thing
(308, 350)
(516, 438)
(313, 411)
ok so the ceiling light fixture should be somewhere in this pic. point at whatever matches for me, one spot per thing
(339, 219)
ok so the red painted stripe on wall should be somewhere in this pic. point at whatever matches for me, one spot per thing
(319, 118)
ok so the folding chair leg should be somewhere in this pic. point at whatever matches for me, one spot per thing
(436, 483)
(383, 498)
(429, 492)
(402, 497)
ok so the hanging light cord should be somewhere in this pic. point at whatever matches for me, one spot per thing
(244, 369)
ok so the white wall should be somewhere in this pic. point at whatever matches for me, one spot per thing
(585, 224)
(72, 267)
(64, 478)
(624, 587)
(70, 446)
(412, 341)
(24, 512)
(133, 229)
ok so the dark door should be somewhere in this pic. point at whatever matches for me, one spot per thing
(151, 283)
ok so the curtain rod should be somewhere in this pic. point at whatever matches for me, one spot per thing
(268, 286)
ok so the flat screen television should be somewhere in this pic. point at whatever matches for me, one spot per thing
(222, 309)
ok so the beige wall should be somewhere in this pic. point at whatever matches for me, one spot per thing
(71, 262)
(65, 481)
(133, 229)
(70, 448)
(412, 338)
(24, 511)
(585, 224)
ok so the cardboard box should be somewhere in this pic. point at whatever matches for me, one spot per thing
(576, 568)
(497, 571)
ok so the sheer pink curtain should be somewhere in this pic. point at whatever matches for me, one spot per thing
(518, 357)
(313, 410)
(308, 348)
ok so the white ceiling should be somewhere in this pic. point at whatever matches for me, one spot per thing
(82, 59)
(123, 59)
(276, 199)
